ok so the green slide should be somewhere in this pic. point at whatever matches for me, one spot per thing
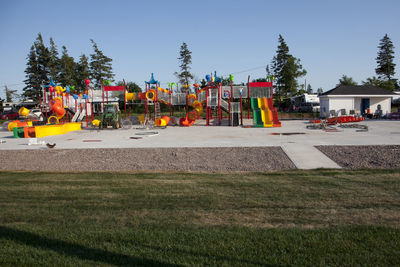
(256, 113)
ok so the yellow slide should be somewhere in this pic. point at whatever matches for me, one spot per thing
(57, 129)
(266, 114)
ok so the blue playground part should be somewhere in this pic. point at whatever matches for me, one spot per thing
(152, 81)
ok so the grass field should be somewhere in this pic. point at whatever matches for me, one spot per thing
(322, 217)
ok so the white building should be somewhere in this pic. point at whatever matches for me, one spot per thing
(361, 99)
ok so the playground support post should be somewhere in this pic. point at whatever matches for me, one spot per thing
(124, 97)
(207, 112)
(102, 89)
(219, 104)
(40, 104)
(230, 100)
(146, 107)
(248, 97)
(241, 110)
(45, 100)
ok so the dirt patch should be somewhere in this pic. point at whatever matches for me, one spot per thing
(357, 157)
(220, 159)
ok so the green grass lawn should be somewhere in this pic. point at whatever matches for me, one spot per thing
(322, 217)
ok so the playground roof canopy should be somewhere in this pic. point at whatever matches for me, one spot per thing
(152, 81)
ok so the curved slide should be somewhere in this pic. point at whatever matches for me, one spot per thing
(192, 116)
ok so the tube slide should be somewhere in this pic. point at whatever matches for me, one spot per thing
(192, 116)
(162, 122)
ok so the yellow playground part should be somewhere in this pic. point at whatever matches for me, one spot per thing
(130, 96)
(57, 129)
(24, 112)
(266, 113)
(141, 119)
(96, 123)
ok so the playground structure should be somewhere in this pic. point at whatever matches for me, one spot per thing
(64, 110)
(214, 98)
(33, 128)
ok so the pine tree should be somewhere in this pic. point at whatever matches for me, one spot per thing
(385, 68)
(345, 80)
(67, 69)
(37, 71)
(185, 59)
(100, 66)
(43, 58)
(82, 72)
(33, 80)
(286, 69)
(54, 62)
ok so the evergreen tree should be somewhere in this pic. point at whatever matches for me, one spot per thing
(43, 58)
(37, 71)
(386, 84)
(54, 62)
(286, 69)
(385, 68)
(185, 59)
(100, 66)
(33, 80)
(345, 80)
(82, 72)
(67, 69)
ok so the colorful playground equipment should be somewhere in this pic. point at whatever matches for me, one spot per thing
(211, 100)
(264, 114)
(33, 128)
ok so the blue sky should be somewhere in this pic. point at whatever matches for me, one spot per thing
(331, 38)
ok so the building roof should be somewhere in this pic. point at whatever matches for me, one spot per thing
(358, 90)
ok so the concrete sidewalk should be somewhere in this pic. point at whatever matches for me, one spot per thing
(307, 157)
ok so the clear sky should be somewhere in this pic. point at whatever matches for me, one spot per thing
(331, 38)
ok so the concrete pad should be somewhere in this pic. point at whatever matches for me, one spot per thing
(308, 157)
(382, 132)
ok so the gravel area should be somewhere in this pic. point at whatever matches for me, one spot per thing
(222, 159)
(357, 157)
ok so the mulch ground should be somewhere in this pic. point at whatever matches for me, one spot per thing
(358, 157)
(221, 159)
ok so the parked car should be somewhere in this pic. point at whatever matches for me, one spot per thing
(9, 115)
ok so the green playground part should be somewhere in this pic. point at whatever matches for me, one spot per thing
(257, 117)
(254, 103)
(258, 122)
(18, 132)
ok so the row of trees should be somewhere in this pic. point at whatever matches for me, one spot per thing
(45, 62)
